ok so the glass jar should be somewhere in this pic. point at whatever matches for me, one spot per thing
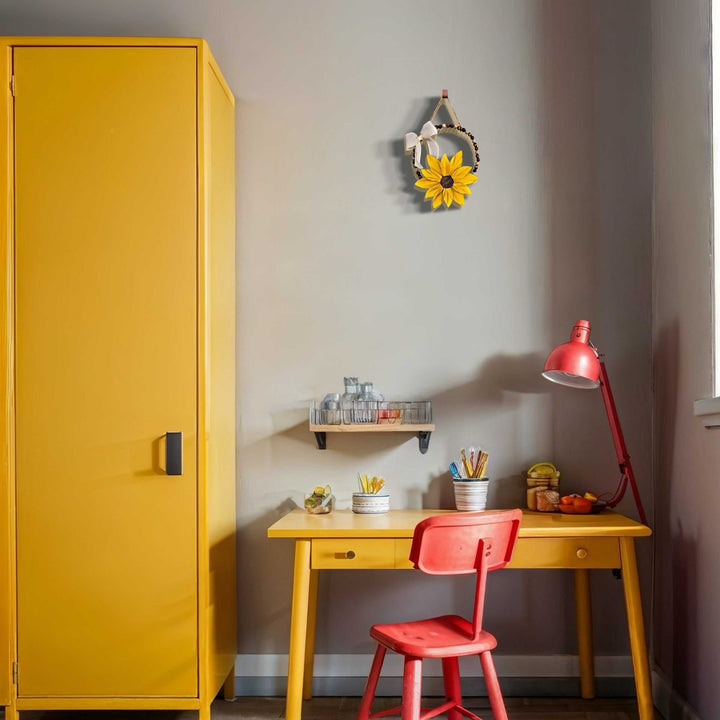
(348, 398)
(543, 493)
(331, 408)
(366, 404)
(389, 413)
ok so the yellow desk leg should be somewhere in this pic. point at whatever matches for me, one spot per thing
(229, 686)
(636, 629)
(583, 624)
(310, 636)
(298, 630)
(204, 711)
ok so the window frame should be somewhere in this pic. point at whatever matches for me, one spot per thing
(709, 408)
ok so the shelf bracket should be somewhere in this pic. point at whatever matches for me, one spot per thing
(321, 439)
(424, 440)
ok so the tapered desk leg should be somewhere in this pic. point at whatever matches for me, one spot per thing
(310, 636)
(583, 624)
(298, 630)
(636, 629)
(229, 686)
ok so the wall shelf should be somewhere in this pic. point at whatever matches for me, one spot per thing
(423, 431)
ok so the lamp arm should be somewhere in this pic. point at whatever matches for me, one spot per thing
(626, 470)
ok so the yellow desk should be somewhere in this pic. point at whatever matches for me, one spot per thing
(343, 540)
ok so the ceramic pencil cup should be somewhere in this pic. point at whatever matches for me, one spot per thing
(471, 494)
(370, 503)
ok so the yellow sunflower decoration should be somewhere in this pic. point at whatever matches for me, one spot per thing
(446, 181)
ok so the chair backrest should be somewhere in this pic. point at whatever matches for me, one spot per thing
(462, 543)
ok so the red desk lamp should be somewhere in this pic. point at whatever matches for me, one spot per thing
(577, 364)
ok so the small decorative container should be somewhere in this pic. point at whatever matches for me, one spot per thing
(320, 502)
(321, 414)
(390, 413)
(471, 494)
(366, 404)
(368, 409)
(543, 487)
(348, 397)
(546, 500)
(416, 413)
(370, 503)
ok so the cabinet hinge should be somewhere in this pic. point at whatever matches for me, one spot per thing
(12, 85)
(15, 673)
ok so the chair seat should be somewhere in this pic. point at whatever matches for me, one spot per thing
(445, 636)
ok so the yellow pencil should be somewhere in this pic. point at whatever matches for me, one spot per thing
(468, 469)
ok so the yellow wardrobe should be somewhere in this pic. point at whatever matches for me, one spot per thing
(117, 474)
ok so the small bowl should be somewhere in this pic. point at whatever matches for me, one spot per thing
(597, 506)
(325, 507)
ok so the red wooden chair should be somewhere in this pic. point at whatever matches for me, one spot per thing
(452, 544)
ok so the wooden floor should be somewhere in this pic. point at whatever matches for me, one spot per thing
(345, 709)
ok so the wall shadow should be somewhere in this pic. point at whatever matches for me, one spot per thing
(668, 605)
(685, 650)
(500, 379)
(266, 594)
(595, 108)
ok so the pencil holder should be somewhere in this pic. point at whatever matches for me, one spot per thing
(370, 503)
(471, 494)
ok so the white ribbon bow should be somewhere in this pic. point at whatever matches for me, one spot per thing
(412, 141)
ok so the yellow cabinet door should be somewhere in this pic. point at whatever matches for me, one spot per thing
(106, 357)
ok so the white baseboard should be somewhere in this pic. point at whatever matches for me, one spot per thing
(667, 700)
(521, 666)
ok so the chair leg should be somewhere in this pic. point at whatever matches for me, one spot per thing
(412, 689)
(493, 686)
(371, 684)
(451, 681)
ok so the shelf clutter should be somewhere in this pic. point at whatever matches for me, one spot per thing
(371, 412)
(361, 409)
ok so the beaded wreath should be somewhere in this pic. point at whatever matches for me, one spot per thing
(457, 130)
(442, 174)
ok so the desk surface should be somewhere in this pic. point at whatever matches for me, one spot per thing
(401, 523)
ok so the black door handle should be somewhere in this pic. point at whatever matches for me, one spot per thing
(173, 453)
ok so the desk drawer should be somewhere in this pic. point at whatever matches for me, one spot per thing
(589, 552)
(352, 553)
(402, 553)
(581, 552)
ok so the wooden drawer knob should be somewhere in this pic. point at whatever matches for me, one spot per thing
(582, 553)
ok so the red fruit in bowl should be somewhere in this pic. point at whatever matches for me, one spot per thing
(582, 505)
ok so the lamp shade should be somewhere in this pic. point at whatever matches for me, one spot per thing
(574, 363)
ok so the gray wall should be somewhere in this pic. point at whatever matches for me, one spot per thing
(687, 456)
(342, 269)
